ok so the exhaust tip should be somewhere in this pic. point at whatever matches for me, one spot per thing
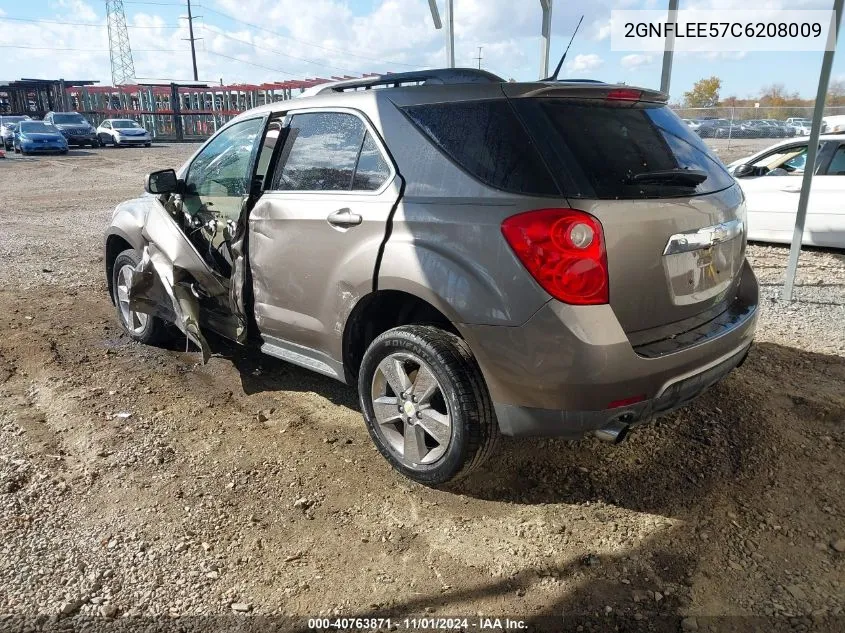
(614, 432)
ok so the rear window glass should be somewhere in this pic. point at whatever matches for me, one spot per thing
(322, 150)
(486, 139)
(596, 149)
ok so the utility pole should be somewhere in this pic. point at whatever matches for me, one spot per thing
(191, 38)
(479, 57)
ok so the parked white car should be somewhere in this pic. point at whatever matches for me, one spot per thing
(771, 180)
(119, 132)
(835, 124)
(802, 126)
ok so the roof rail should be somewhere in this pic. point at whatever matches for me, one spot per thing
(413, 78)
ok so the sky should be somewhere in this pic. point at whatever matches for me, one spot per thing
(254, 41)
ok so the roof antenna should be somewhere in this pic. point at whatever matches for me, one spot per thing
(563, 57)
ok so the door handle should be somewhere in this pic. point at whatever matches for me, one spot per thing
(791, 188)
(344, 217)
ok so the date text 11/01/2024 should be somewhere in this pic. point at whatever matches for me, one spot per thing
(418, 624)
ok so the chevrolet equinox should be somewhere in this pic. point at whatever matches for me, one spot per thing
(479, 257)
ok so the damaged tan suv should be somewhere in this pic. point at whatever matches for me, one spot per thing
(478, 257)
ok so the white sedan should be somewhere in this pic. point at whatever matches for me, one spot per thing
(771, 181)
(119, 132)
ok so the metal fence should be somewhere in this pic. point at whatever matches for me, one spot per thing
(737, 120)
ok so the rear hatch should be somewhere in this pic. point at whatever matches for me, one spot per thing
(671, 215)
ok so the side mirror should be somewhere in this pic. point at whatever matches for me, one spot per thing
(742, 171)
(164, 181)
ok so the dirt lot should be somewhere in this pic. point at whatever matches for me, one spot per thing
(134, 482)
(730, 150)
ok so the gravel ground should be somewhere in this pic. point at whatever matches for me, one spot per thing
(730, 150)
(134, 482)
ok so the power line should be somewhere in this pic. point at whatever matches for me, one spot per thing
(243, 61)
(89, 50)
(99, 25)
(277, 52)
(325, 48)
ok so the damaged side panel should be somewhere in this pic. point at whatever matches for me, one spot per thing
(173, 282)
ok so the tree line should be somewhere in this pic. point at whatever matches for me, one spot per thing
(779, 102)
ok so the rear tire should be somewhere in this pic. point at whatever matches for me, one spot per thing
(140, 327)
(426, 405)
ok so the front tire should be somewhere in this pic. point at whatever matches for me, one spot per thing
(140, 327)
(426, 405)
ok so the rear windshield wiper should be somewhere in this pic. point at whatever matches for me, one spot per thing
(689, 177)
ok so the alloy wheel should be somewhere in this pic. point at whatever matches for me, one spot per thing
(135, 321)
(411, 411)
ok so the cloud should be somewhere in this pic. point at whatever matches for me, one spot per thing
(601, 30)
(77, 10)
(635, 60)
(583, 63)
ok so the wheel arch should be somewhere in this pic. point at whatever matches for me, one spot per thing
(380, 311)
(116, 242)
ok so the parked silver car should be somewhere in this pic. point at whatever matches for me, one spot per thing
(478, 257)
(122, 132)
(7, 129)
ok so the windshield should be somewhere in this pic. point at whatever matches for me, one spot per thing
(37, 127)
(69, 119)
(605, 151)
(6, 120)
(124, 124)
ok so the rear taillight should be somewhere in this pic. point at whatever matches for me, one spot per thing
(563, 249)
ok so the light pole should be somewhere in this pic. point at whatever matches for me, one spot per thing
(545, 37)
(450, 28)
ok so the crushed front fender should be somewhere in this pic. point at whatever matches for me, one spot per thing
(173, 282)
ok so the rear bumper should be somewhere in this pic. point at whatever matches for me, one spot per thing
(559, 373)
(527, 421)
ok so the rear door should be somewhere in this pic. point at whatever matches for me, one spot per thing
(825, 224)
(772, 199)
(315, 233)
(674, 247)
